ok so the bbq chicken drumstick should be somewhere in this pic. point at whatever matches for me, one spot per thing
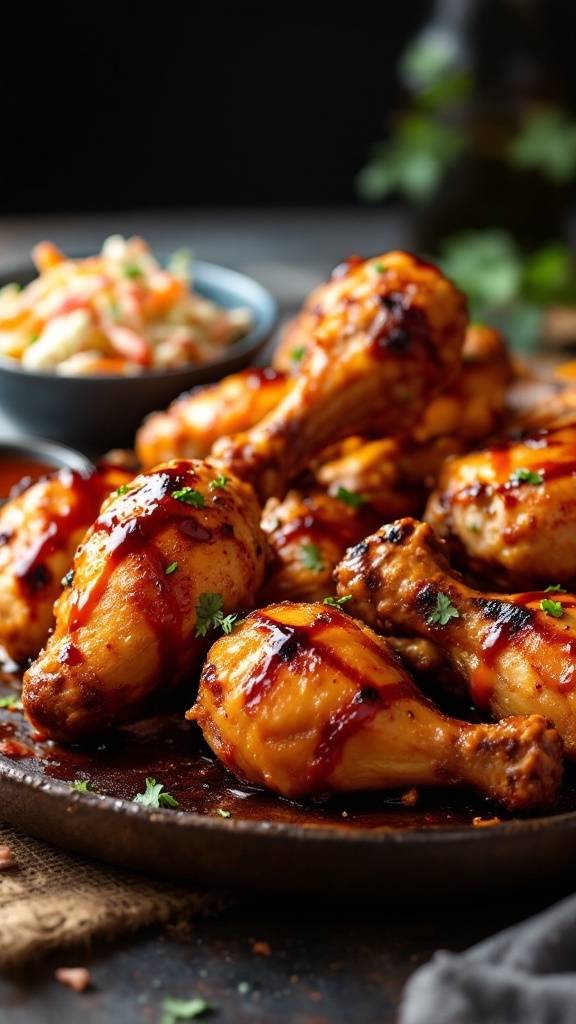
(516, 653)
(125, 630)
(127, 623)
(304, 700)
(197, 418)
(506, 511)
(388, 336)
(40, 529)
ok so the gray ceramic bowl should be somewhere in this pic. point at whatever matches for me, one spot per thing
(34, 457)
(101, 412)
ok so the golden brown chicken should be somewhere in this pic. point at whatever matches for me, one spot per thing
(40, 529)
(516, 653)
(397, 473)
(470, 409)
(394, 474)
(388, 337)
(191, 424)
(125, 631)
(308, 533)
(166, 560)
(507, 510)
(305, 700)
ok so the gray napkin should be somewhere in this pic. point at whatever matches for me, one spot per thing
(523, 975)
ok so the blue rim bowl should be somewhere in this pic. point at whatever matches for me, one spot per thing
(97, 413)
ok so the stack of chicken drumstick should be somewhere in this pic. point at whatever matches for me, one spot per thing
(302, 542)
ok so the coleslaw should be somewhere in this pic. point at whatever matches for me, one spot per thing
(117, 312)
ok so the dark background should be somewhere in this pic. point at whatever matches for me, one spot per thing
(109, 106)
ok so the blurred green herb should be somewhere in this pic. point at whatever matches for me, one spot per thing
(174, 1010)
(426, 137)
(504, 285)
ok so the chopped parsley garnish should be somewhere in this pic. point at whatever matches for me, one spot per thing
(444, 611)
(552, 608)
(337, 602)
(223, 813)
(473, 527)
(33, 338)
(349, 498)
(379, 267)
(189, 496)
(171, 568)
(209, 614)
(219, 482)
(84, 786)
(67, 579)
(311, 557)
(123, 489)
(153, 797)
(228, 622)
(174, 1010)
(526, 476)
(298, 353)
(132, 270)
(12, 702)
(557, 587)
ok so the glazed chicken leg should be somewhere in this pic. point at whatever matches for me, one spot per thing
(40, 529)
(125, 631)
(194, 420)
(507, 510)
(127, 624)
(388, 335)
(304, 700)
(516, 653)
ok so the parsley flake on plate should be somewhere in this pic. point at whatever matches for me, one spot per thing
(552, 608)
(298, 353)
(153, 797)
(84, 786)
(219, 483)
(311, 557)
(171, 568)
(557, 587)
(350, 498)
(443, 612)
(189, 497)
(337, 602)
(223, 813)
(209, 614)
(526, 476)
(12, 702)
(174, 1010)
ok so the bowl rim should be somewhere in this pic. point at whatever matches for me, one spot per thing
(212, 275)
(54, 454)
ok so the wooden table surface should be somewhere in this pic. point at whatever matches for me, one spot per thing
(324, 961)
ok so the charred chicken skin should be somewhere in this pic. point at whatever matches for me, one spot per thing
(507, 511)
(304, 700)
(387, 337)
(127, 624)
(40, 529)
(516, 653)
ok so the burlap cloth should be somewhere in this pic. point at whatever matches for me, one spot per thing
(51, 899)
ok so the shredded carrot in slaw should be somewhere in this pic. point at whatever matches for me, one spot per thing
(119, 311)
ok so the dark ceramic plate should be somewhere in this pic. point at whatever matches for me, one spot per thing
(95, 413)
(364, 846)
